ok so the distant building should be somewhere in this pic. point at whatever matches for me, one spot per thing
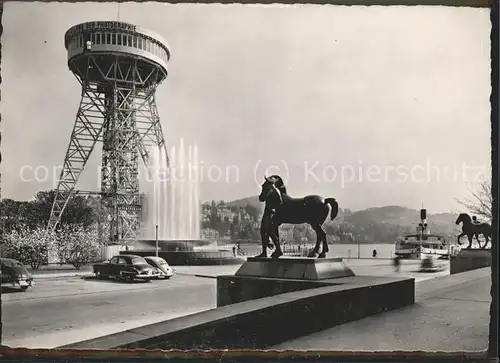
(209, 234)
(226, 213)
(286, 234)
(244, 216)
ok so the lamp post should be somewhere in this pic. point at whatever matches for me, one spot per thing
(156, 205)
(111, 232)
(156, 233)
(359, 252)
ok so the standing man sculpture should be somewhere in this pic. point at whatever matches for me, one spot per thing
(281, 208)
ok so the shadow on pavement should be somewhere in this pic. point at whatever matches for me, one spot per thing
(115, 281)
(10, 290)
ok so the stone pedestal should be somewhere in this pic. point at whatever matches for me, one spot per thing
(470, 259)
(298, 268)
(262, 277)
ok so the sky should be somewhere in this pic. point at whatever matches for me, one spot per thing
(372, 106)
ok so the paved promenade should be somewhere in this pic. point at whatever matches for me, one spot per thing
(450, 314)
(66, 310)
(70, 309)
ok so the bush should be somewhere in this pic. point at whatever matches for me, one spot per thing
(30, 247)
(78, 245)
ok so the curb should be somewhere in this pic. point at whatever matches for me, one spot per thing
(60, 275)
(195, 275)
(206, 276)
(88, 274)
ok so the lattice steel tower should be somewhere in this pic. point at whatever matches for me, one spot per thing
(119, 67)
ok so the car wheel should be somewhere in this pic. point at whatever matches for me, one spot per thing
(24, 288)
(126, 277)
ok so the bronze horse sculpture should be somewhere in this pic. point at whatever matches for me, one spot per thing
(470, 230)
(281, 208)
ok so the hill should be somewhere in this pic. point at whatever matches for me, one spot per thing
(252, 201)
(441, 223)
(378, 223)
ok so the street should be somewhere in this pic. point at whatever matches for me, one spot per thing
(61, 311)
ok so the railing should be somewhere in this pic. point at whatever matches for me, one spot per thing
(347, 252)
(288, 250)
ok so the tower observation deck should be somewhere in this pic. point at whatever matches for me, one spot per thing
(119, 67)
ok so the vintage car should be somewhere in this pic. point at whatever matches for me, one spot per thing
(126, 267)
(14, 273)
(161, 265)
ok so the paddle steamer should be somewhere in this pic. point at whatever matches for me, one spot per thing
(423, 244)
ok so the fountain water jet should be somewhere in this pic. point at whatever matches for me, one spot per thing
(172, 231)
(190, 189)
(172, 199)
(196, 180)
(178, 181)
(163, 197)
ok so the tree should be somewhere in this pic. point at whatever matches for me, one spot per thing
(31, 247)
(214, 218)
(36, 213)
(232, 229)
(78, 209)
(480, 203)
(223, 227)
(10, 214)
(310, 234)
(252, 211)
(246, 230)
(330, 229)
(297, 235)
(78, 245)
(28, 215)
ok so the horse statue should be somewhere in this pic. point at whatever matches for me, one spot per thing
(281, 208)
(470, 229)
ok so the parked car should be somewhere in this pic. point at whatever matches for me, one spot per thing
(126, 267)
(161, 265)
(15, 274)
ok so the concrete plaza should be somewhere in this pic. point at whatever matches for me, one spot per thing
(450, 314)
(72, 308)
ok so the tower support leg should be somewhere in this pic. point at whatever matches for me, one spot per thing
(86, 132)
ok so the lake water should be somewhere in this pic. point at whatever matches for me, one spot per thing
(336, 250)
